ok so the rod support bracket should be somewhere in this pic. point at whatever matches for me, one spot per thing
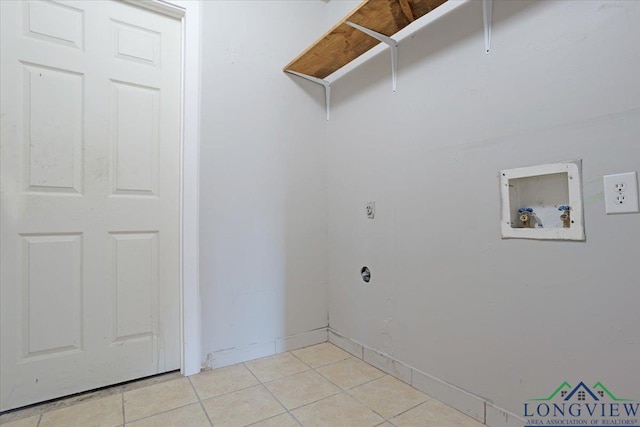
(487, 11)
(393, 46)
(324, 83)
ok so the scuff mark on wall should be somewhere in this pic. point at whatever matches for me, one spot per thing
(207, 364)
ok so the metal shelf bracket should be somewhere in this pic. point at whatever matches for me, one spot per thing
(487, 11)
(393, 45)
(324, 83)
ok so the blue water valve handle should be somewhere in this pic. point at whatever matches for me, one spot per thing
(564, 208)
(521, 210)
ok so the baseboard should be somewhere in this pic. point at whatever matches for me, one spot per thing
(232, 356)
(498, 417)
(305, 339)
(474, 406)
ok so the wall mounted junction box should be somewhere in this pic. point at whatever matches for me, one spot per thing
(543, 202)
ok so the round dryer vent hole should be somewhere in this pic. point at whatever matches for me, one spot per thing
(366, 274)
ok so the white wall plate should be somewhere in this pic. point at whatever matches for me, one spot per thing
(621, 193)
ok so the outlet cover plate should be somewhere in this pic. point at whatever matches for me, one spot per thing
(621, 193)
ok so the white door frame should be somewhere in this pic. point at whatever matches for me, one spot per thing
(188, 11)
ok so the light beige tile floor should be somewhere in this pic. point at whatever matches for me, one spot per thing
(319, 385)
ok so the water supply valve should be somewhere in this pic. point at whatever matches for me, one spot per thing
(566, 215)
(525, 216)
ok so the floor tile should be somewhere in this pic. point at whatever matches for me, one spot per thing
(350, 373)
(157, 398)
(232, 396)
(242, 407)
(191, 416)
(75, 399)
(223, 380)
(301, 389)
(321, 354)
(24, 422)
(338, 410)
(434, 414)
(388, 396)
(284, 420)
(275, 367)
(105, 412)
(145, 382)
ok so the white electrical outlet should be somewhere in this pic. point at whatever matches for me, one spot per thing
(621, 193)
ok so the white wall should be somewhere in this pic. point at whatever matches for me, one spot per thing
(263, 221)
(507, 320)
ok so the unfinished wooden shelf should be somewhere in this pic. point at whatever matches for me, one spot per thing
(344, 43)
(371, 23)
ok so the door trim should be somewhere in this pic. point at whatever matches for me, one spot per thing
(189, 14)
(160, 6)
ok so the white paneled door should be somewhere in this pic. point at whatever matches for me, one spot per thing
(89, 220)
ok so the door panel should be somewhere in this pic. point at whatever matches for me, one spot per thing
(51, 316)
(53, 106)
(135, 148)
(89, 213)
(137, 44)
(54, 23)
(135, 270)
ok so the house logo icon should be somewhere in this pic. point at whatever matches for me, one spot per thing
(581, 392)
(582, 405)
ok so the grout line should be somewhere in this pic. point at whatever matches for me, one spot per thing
(161, 412)
(168, 410)
(272, 417)
(346, 390)
(331, 382)
(348, 355)
(124, 420)
(295, 419)
(318, 400)
(281, 378)
(206, 414)
(39, 420)
(373, 409)
(369, 381)
(413, 407)
(233, 391)
(272, 395)
(291, 353)
(349, 388)
(333, 363)
(370, 408)
(413, 370)
(337, 361)
(311, 369)
(194, 388)
(228, 392)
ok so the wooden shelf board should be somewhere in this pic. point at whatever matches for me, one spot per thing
(342, 43)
